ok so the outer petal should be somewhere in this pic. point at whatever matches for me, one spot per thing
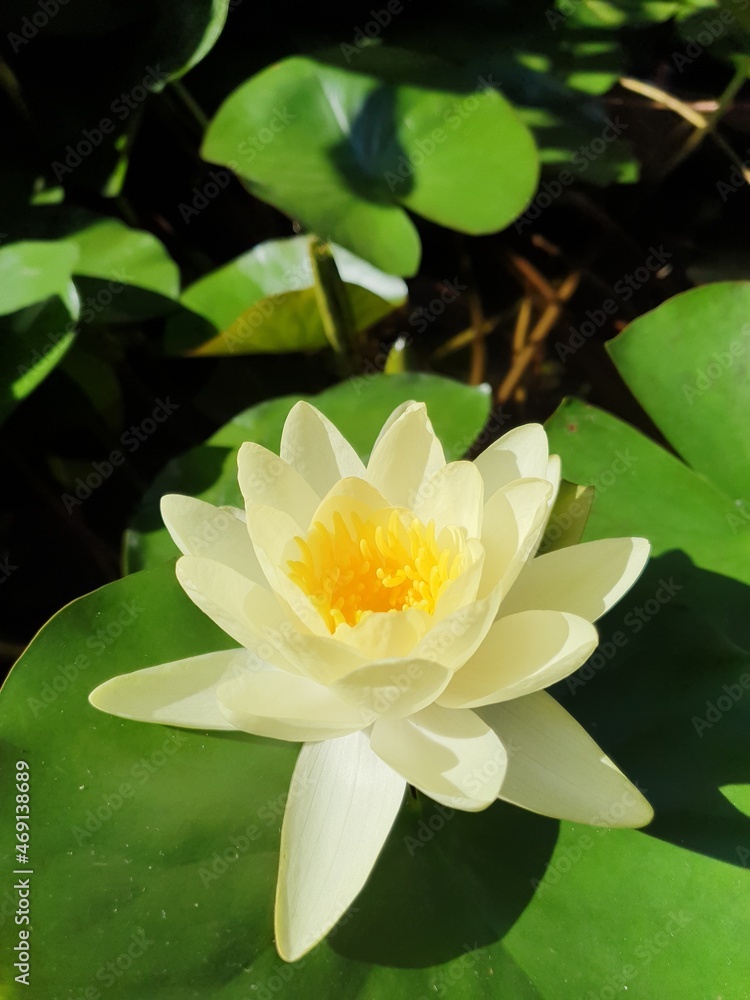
(454, 496)
(512, 524)
(237, 605)
(318, 451)
(180, 693)
(265, 478)
(342, 803)
(522, 653)
(393, 689)
(200, 529)
(520, 454)
(405, 456)
(286, 706)
(449, 754)
(556, 769)
(586, 579)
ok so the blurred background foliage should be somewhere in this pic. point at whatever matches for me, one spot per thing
(207, 204)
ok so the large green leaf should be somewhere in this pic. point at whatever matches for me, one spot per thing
(688, 364)
(38, 307)
(264, 301)
(641, 489)
(345, 152)
(109, 249)
(458, 413)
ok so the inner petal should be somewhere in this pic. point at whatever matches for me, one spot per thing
(386, 561)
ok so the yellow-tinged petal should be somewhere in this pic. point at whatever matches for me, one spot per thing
(520, 454)
(200, 529)
(522, 653)
(405, 457)
(273, 534)
(342, 803)
(266, 479)
(393, 689)
(453, 497)
(512, 524)
(180, 693)
(238, 606)
(586, 579)
(384, 635)
(449, 754)
(556, 769)
(285, 706)
(453, 639)
(318, 451)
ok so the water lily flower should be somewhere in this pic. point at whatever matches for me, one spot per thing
(396, 620)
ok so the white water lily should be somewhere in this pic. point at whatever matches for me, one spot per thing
(396, 620)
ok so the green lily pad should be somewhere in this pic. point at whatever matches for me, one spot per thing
(264, 301)
(688, 364)
(345, 152)
(38, 308)
(209, 471)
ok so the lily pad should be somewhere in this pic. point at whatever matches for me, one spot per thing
(264, 302)
(345, 153)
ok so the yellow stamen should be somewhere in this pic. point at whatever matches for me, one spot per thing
(389, 562)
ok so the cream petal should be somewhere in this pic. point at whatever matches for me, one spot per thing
(406, 456)
(449, 754)
(522, 653)
(520, 454)
(454, 496)
(384, 635)
(463, 590)
(273, 532)
(395, 688)
(554, 476)
(410, 404)
(586, 579)
(453, 639)
(512, 524)
(241, 608)
(346, 497)
(556, 769)
(343, 801)
(285, 706)
(200, 529)
(266, 479)
(316, 448)
(180, 693)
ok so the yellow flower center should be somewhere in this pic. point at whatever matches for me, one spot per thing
(378, 564)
